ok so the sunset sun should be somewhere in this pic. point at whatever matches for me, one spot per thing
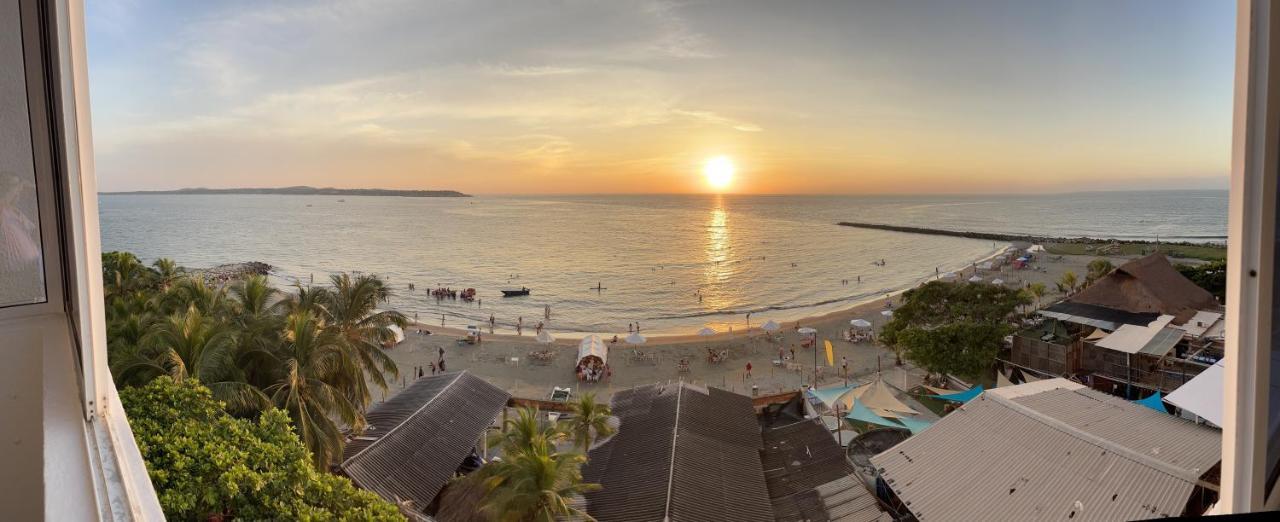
(719, 172)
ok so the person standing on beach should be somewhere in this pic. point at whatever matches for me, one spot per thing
(441, 365)
(433, 368)
(748, 369)
(637, 326)
(539, 330)
(520, 325)
(844, 366)
(420, 372)
(441, 353)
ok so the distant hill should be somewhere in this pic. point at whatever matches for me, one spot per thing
(303, 191)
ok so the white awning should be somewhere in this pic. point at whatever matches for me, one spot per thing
(593, 346)
(1202, 395)
(1153, 339)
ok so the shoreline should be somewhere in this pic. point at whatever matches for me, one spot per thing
(854, 310)
(508, 361)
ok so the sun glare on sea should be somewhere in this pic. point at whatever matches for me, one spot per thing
(719, 172)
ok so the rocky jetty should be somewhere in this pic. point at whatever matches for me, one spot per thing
(233, 271)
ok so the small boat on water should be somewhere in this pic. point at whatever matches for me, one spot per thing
(515, 293)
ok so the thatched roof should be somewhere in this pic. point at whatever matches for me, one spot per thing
(1148, 285)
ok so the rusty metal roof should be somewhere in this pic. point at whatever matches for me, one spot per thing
(1061, 454)
(682, 453)
(416, 440)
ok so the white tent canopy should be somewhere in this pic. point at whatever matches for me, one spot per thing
(1035, 248)
(593, 346)
(887, 313)
(975, 279)
(399, 334)
(1202, 395)
(860, 323)
(997, 281)
(806, 331)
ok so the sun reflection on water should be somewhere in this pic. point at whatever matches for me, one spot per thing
(717, 269)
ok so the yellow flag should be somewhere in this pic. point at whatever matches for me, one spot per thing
(831, 358)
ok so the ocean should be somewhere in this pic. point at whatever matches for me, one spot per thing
(671, 263)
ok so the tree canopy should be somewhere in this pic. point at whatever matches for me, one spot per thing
(1209, 276)
(311, 352)
(953, 328)
(206, 464)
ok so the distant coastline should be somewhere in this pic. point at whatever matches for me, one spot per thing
(297, 191)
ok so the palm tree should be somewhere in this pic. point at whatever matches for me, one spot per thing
(1098, 268)
(526, 430)
(1068, 282)
(589, 417)
(1037, 290)
(309, 362)
(166, 271)
(535, 485)
(352, 309)
(190, 345)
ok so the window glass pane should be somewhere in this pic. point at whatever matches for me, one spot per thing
(21, 263)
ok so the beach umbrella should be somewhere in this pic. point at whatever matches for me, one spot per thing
(635, 339)
(706, 332)
(771, 326)
(997, 281)
(860, 323)
(887, 313)
(545, 337)
(949, 275)
(975, 279)
(807, 331)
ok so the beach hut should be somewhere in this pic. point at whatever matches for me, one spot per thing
(591, 349)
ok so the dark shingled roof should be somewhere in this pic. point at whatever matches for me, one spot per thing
(682, 453)
(802, 461)
(1110, 315)
(417, 439)
(1148, 285)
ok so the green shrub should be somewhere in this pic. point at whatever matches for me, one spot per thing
(206, 464)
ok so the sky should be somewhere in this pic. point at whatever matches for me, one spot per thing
(575, 96)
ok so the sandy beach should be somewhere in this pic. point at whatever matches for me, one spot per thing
(504, 359)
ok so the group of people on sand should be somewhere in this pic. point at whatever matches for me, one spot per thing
(592, 371)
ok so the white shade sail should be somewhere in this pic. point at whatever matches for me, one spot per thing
(545, 337)
(860, 323)
(593, 346)
(771, 326)
(635, 338)
(705, 331)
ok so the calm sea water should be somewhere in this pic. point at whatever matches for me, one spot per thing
(780, 257)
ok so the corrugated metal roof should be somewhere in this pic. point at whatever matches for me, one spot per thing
(809, 477)
(683, 452)
(417, 439)
(1061, 454)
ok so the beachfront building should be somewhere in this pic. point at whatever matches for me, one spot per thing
(1053, 450)
(422, 437)
(1142, 328)
(688, 453)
